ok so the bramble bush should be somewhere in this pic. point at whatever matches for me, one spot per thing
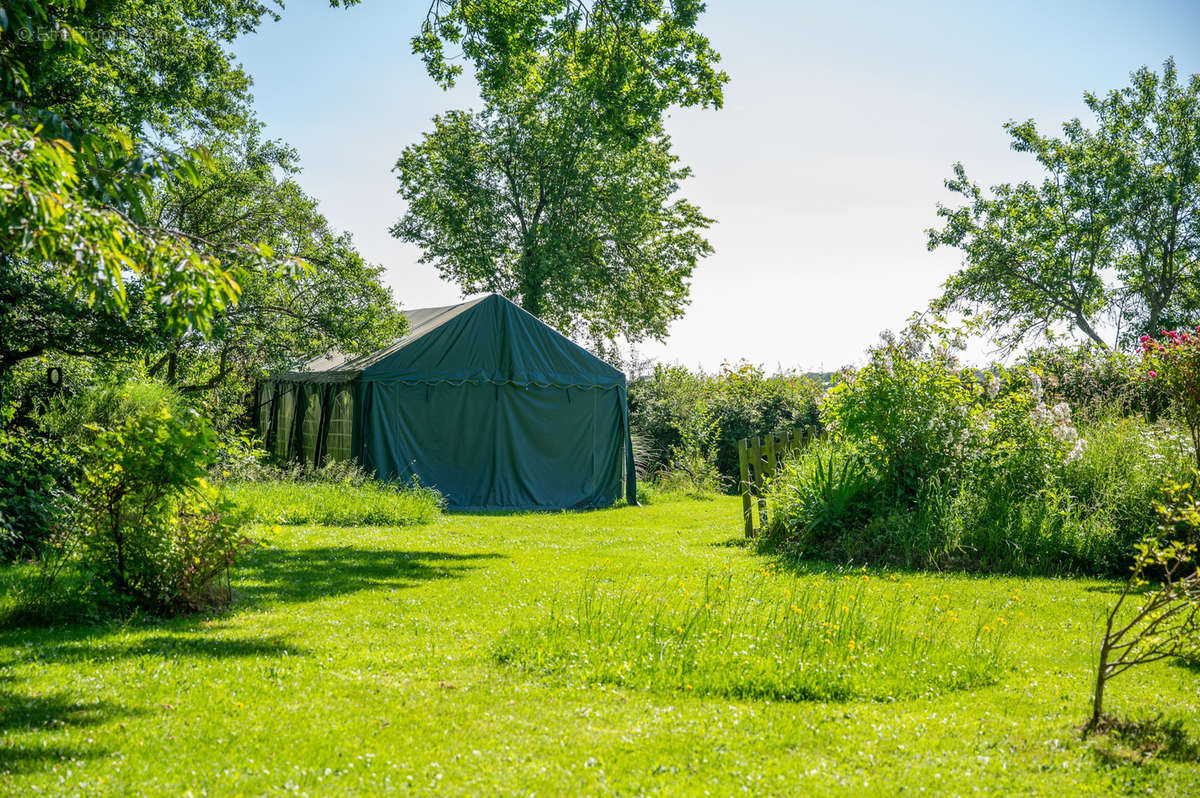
(928, 464)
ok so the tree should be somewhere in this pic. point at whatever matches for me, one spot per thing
(1110, 235)
(97, 100)
(1153, 128)
(631, 60)
(1166, 622)
(337, 302)
(76, 165)
(562, 192)
(585, 237)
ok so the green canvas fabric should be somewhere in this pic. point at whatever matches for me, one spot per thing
(498, 446)
(487, 404)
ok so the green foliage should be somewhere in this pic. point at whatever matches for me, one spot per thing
(774, 637)
(337, 302)
(1096, 382)
(909, 412)
(148, 526)
(824, 493)
(339, 502)
(634, 60)
(968, 469)
(683, 413)
(34, 502)
(1122, 200)
(96, 99)
(562, 193)
(48, 217)
(587, 234)
(1173, 364)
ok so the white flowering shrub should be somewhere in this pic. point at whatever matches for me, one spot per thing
(929, 463)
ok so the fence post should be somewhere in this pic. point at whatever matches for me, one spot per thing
(744, 485)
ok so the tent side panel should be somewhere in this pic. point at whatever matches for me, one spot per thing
(442, 435)
(498, 446)
(557, 448)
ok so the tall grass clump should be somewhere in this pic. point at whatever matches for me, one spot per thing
(929, 464)
(769, 636)
(368, 503)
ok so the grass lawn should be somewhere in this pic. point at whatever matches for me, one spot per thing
(367, 661)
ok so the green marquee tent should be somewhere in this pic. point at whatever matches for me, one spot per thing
(480, 400)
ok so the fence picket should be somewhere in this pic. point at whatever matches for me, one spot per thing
(759, 457)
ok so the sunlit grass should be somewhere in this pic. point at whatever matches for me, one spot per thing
(360, 660)
(765, 635)
(341, 504)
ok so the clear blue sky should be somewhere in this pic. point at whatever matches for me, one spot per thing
(822, 170)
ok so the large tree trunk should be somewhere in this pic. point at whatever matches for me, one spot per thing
(533, 292)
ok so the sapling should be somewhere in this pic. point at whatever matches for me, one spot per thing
(1167, 622)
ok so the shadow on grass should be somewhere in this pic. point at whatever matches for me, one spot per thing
(190, 644)
(17, 758)
(1123, 741)
(265, 576)
(49, 713)
(1187, 663)
(275, 575)
(53, 711)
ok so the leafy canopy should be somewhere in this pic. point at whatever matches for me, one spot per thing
(95, 101)
(563, 192)
(1110, 236)
(338, 302)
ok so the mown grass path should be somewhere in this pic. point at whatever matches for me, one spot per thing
(359, 661)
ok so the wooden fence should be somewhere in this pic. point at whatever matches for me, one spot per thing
(758, 458)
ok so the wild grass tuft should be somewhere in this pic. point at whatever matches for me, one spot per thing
(337, 503)
(769, 636)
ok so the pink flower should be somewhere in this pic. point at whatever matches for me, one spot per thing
(1153, 374)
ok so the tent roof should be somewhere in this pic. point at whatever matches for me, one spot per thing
(488, 339)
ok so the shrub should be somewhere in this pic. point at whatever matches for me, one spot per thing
(686, 417)
(1097, 382)
(968, 469)
(34, 501)
(908, 412)
(817, 497)
(148, 526)
(1174, 364)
